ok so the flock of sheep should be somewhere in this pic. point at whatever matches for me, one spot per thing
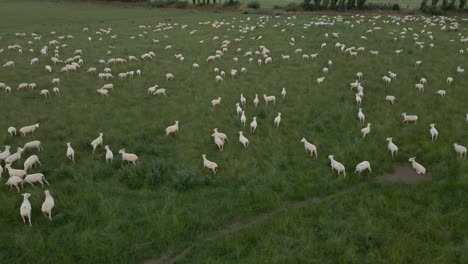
(263, 56)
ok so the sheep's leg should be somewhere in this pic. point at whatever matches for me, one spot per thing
(24, 221)
(29, 218)
(32, 185)
(45, 181)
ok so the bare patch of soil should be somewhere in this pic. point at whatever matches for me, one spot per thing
(402, 173)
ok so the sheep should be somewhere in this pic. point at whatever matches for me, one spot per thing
(358, 99)
(255, 102)
(195, 66)
(325, 70)
(392, 75)
(8, 90)
(169, 76)
(242, 100)
(45, 93)
(419, 86)
(209, 164)
(160, 91)
(243, 119)
(48, 68)
(98, 141)
(22, 86)
(6, 153)
(386, 80)
(460, 150)
(277, 120)
(12, 131)
(14, 157)
(30, 162)
(25, 209)
(32, 86)
(423, 81)
(223, 74)
(309, 147)
(268, 60)
(108, 86)
(172, 129)
(361, 116)
(103, 92)
(243, 70)
(441, 93)
(152, 89)
(418, 63)
(48, 205)
(56, 81)
(216, 102)
(335, 165)
(320, 80)
(243, 140)
(14, 181)
(270, 98)
(220, 135)
(28, 129)
(33, 144)
(460, 70)
(9, 64)
(359, 75)
(285, 57)
(70, 152)
(253, 124)
(449, 80)
(15, 172)
(409, 118)
(365, 165)
(433, 131)
(391, 146)
(218, 78)
(417, 167)
(390, 98)
(34, 61)
(366, 130)
(35, 177)
(129, 157)
(219, 142)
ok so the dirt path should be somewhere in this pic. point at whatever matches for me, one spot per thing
(171, 257)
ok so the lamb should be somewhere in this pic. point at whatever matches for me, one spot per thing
(390, 98)
(365, 165)
(6, 153)
(359, 75)
(361, 116)
(219, 142)
(45, 93)
(270, 98)
(209, 164)
(283, 93)
(14, 181)
(216, 102)
(358, 99)
(460, 70)
(14, 157)
(460, 150)
(220, 135)
(15, 172)
(391, 146)
(56, 81)
(218, 78)
(103, 92)
(255, 102)
(320, 80)
(243, 140)
(277, 120)
(36, 177)
(28, 129)
(441, 93)
(160, 91)
(416, 166)
(409, 118)
(335, 165)
(30, 162)
(285, 57)
(325, 70)
(387, 80)
(152, 89)
(25, 209)
(12, 131)
(392, 75)
(48, 68)
(366, 130)
(243, 119)
(108, 86)
(70, 152)
(128, 157)
(33, 144)
(253, 124)
(418, 63)
(309, 147)
(169, 76)
(8, 90)
(98, 141)
(242, 100)
(434, 132)
(109, 154)
(449, 80)
(195, 66)
(172, 129)
(34, 61)
(48, 205)
(423, 81)
(419, 86)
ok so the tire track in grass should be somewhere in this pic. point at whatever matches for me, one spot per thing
(170, 257)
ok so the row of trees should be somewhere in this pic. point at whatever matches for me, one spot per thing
(444, 6)
(333, 4)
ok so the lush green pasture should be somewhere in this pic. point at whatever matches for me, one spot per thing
(117, 213)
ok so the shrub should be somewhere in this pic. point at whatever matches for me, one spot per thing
(396, 7)
(130, 176)
(462, 4)
(361, 4)
(253, 5)
(181, 4)
(292, 7)
(184, 180)
(341, 5)
(231, 3)
(333, 4)
(382, 6)
(444, 5)
(351, 4)
(325, 4)
(277, 7)
(423, 5)
(159, 170)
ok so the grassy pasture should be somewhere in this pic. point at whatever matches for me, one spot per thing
(114, 213)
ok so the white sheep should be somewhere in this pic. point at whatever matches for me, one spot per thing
(56, 81)
(253, 124)
(277, 120)
(366, 130)
(34, 61)
(242, 100)
(172, 129)
(243, 118)
(361, 116)
(70, 152)
(209, 164)
(8, 90)
(109, 154)
(320, 80)
(390, 98)
(9, 64)
(449, 80)
(6, 153)
(433, 131)
(45, 93)
(160, 91)
(243, 140)
(409, 118)
(270, 98)
(12, 131)
(359, 75)
(56, 91)
(416, 166)
(365, 165)
(216, 102)
(98, 141)
(219, 142)
(15, 172)
(28, 129)
(108, 86)
(25, 209)
(103, 92)
(441, 93)
(169, 76)
(391, 146)
(309, 147)
(14, 181)
(48, 205)
(220, 135)
(14, 157)
(129, 157)
(31, 161)
(48, 68)
(335, 165)
(358, 99)
(33, 144)
(460, 150)
(35, 177)
(255, 102)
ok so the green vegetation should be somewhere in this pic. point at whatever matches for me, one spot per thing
(117, 213)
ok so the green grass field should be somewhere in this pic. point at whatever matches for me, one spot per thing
(270, 202)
